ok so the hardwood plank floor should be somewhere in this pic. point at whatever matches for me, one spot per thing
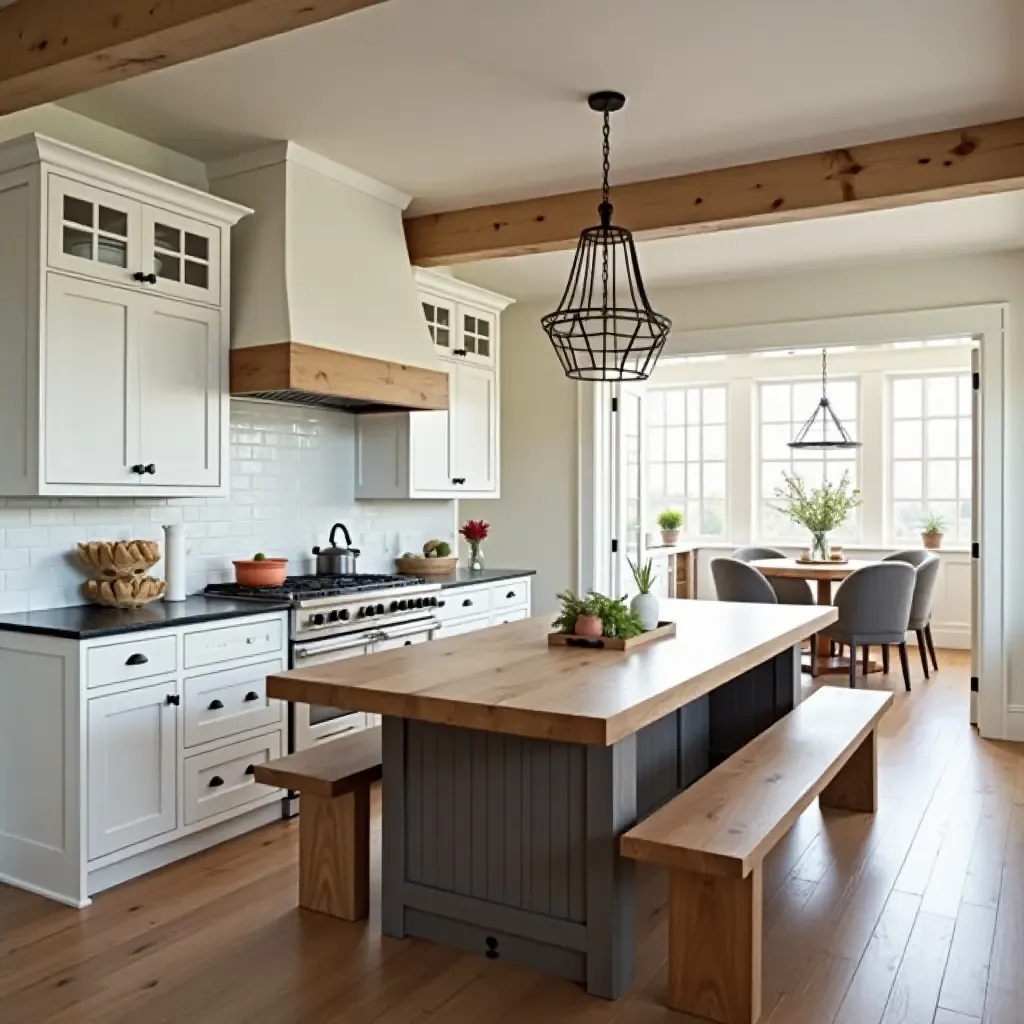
(913, 915)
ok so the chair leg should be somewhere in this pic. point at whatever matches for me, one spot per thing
(885, 658)
(853, 665)
(905, 662)
(864, 658)
(832, 648)
(931, 646)
(924, 652)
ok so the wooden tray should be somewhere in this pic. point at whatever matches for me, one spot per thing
(822, 561)
(422, 566)
(612, 643)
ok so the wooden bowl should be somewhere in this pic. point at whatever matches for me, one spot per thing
(262, 572)
(124, 591)
(119, 559)
(422, 566)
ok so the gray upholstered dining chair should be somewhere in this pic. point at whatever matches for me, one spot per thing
(737, 581)
(912, 556)
(874, 608)
(787, 591)
(927, 565)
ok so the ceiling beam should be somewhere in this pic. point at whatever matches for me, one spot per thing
(52, 49)
(878, 176)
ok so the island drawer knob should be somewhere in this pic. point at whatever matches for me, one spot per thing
(216, 781)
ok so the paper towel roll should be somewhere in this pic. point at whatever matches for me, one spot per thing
(174, 562)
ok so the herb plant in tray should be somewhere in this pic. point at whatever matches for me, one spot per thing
(596, 615)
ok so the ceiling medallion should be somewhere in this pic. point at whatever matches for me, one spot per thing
(823, 422)
(604, 328)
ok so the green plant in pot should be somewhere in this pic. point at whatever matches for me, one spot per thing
(596, 615)
(819, 510)
(933, 528)
(670, 521)
(645, 604)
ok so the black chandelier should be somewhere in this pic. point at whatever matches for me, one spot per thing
(604, 328)
(815, 432)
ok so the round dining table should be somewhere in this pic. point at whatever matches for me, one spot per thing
(822, 575)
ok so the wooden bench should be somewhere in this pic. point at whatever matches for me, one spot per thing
(334, 819)
(715, 835)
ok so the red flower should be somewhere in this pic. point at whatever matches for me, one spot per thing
(475, 529)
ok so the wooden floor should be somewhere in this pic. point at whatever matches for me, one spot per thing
(915, 916)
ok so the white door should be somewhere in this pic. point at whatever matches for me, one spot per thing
(90, 386)
(183, 254)
(975, 530)
(93, 232)
(132, 767)
(629, 480)
(179, 358)
(475, 428)
(430, 452)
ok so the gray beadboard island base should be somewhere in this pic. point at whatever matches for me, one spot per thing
(508, 847)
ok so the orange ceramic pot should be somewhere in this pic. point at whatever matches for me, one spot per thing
(588, 625)
(263, 572)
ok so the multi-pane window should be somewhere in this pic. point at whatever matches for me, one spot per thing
(930, 454)
(783, 407)
(686, 463)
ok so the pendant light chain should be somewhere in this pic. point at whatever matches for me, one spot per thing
(824, 374)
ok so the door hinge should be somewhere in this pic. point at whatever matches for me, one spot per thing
(976, 381)
(615, 405)
(615, 547)
(975, 550)
(974, 684)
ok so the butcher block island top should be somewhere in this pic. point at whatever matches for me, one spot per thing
(508, 680)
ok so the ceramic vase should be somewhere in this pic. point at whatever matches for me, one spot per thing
(646, 607)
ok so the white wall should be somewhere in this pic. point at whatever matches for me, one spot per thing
(292, 477)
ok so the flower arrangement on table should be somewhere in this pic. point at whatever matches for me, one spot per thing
(819, 510)
(475, 531)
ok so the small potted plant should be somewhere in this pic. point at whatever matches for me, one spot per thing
(819, 511)
(645, 604)
(933, 529)
(670, 522)
(475, 531)
(596, 615)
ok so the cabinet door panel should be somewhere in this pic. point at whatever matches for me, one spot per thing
(430, 452)
(183, 253)
(179, 353)
(477, 330)
(132, 767)
(90, 392)
(475, 426)
(440, 315)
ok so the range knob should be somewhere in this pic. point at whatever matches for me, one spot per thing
(394, 606)
(344, 615)
(419, 602)
(360, 613)
(333, 615)
(380, 609)
(317, 619)
(368, 610)
(433, 602)
(403, 604)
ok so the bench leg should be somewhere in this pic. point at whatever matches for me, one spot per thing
(334, 854)
(714, 946)
(855, 788)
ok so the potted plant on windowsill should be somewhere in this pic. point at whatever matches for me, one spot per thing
(933, 529)
(645, 604)
(820, 510)
(670, 521)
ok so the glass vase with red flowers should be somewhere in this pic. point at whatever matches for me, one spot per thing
(475, 531)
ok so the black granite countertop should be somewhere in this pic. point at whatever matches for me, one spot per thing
(465, 578)
(87, 621)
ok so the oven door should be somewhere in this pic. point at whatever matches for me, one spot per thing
(312, 723)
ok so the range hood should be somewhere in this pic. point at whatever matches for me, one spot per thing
(325, 309)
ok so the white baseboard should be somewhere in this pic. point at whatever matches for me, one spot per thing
(68, 901)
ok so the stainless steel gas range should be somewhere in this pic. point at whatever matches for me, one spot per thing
(334, 617)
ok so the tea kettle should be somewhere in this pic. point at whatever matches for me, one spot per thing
(335, 561)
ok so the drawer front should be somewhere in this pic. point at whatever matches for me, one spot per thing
(222, 779)
(131, 659)
(228, 643)
(500, 617)
(231, 701)
(462, 626)
(462, 602)
(509, 594)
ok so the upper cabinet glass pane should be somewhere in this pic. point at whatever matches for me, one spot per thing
(78, 211)
(77, 243)
(112, 251)
(442, 337)
(167, 238)
(442, 315)
(114, 222)
(197, 246)
(197, 274)
(167, 267)
(483, 346)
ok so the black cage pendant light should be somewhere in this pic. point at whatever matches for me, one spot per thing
(604, 327)
(823, 429)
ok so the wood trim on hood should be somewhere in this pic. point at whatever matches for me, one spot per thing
(288, 371)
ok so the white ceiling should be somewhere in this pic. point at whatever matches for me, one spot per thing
(460, 102)
(982, 224)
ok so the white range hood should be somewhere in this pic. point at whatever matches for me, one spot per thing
(325, 305)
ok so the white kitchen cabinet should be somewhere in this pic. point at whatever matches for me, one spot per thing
(132, 790)
(465, 609)
(453, 454)
(114, 288)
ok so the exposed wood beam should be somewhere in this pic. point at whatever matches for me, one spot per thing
(51, 49)
(943, 165)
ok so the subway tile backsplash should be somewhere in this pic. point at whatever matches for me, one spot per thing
(292, 477)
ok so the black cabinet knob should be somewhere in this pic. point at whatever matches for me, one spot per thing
(216, 781)
(467, 603)
(251, 770)
(173, 698)
(441, 604)
(455, 479)
(150, 469)
(510, 595)
(252, 695)
(215, 705)
(149, 278)
(139, 468)
(136, 659)
(408, 643)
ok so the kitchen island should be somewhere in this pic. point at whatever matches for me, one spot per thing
(511, 769)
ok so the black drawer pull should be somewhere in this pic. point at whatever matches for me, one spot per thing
(510, 595)
(251, 770)
(252, 695)
(173, 698)
(408, 643)
(137, 659)
(467, 602)
(441, 604)
(215, 705)
(216, 781)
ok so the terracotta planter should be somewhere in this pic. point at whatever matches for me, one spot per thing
(669, 537)
(588, 625)
(264, 572)
(932, 541)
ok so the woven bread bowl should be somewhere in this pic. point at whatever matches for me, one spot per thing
(419, 566)
(124, 592)
(116, 559)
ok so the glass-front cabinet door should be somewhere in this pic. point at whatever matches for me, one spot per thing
(92, 232)
(440, 317)
(476, 336)
(183, 254)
